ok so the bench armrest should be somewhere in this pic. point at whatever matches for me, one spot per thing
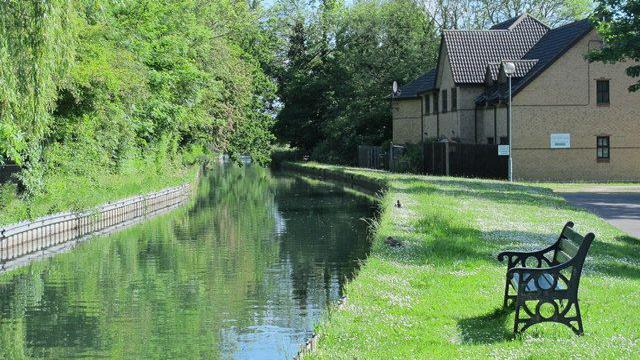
(525, 275)
(516, 257)
(539, 271)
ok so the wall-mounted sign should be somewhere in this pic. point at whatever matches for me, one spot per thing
(503, 150)
(560, 141)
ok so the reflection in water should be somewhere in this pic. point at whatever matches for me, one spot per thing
(244, 273)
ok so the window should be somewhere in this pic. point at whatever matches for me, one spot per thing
(445, 106)
(435, 103)
(603, 147)
(602, 92)
(490, 140)
(427, 105)
(504, 140)
(454, 99)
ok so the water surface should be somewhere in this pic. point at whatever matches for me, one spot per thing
(245, 272)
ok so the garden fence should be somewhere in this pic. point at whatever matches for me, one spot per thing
(466, 160)
(370, 157)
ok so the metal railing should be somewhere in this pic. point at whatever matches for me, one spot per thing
(29, 237)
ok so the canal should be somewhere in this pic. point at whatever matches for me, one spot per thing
(244, 272)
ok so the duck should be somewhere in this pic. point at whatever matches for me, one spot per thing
(393, 242)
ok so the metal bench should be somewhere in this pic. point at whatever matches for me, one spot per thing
(546, 282)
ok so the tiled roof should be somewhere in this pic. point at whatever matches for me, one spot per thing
(471, 50)
(513, 22)
(422, 84)
(504, 25)
(522, 68)
(551, 47)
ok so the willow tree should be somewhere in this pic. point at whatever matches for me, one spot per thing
(36, 49)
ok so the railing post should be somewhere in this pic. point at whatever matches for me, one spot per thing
(77, 224)
(446, 156)
(3, 240)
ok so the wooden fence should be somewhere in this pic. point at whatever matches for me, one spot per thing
(31, 237)
(466, 160)
(370, 157)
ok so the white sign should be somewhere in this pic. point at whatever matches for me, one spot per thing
(560, 141)
(503, 150)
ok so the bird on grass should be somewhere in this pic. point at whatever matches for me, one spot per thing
(393, 242)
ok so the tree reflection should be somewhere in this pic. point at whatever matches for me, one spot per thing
(254, 255)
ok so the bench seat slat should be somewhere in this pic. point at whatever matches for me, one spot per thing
(568, 247)
(562, 257)
(573, 236)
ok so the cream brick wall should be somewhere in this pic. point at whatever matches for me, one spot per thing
(459, 123)
(486, 124)
(449, 121)
(406, 121)
(563, 100)
(430, 126)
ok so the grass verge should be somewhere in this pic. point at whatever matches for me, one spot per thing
(73, 192)
(440, 295)
(588, 187)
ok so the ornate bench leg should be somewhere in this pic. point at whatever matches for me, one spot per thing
(559, 316)
(580, 329)
(506, 294)
(516, 322)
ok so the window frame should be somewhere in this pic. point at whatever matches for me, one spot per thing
(601, 146)
(603, 96)
(445, 101)
(454, 99)
(427, 104)
(436, 99)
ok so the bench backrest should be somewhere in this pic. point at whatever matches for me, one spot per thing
(572, 246)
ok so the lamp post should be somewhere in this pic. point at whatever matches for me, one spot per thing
(509, 70)
(395, 92)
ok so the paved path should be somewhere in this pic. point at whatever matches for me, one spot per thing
(620, 206)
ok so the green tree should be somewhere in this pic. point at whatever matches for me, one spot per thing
(481, 14)
(618, 22)
(36, 50)
(340, 61)
(95, 86)
(294, 120)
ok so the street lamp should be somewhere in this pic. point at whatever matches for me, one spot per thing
(509, 70)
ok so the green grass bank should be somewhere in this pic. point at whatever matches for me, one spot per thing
(440, 295)
(74, 191)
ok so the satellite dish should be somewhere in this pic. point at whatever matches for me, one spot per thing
(395, 87)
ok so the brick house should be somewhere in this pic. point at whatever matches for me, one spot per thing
(572, 120)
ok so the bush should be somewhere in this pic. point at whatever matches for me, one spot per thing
(414, 158)
(285, 153)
